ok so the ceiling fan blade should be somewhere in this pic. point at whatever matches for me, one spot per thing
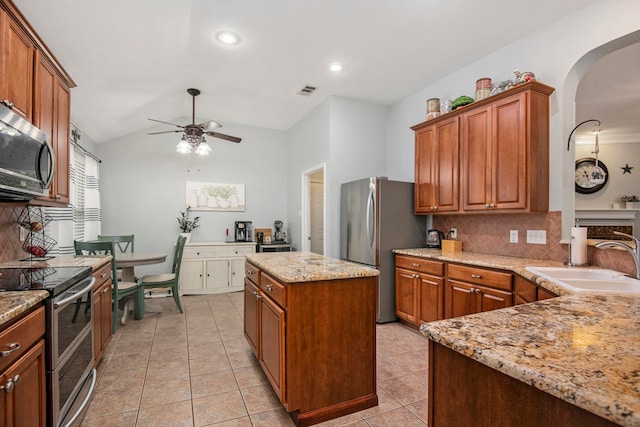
(166, 123)
(209, 126)
(164, 131)
(223, 136)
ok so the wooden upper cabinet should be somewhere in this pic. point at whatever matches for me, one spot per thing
(503, 145)
(16, 66)
(436, 167)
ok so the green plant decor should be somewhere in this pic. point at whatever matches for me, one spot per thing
(187, 224)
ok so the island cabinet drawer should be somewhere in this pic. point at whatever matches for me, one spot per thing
(420, 264)
(102, 275)
(273, 288)
(19, 337)
(252, 273)
(480, 276)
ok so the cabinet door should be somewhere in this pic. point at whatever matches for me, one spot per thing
(191, 276)
(406, 295)
(60, 187)
(460, 299)
(237, 272)
(16, 66)
(436, 168)
(492, 299)
(251, 306)
(430, 306)
(272, 344)
(509, 153)
(217, 274)
(28, 391)
(476, 159)
(102, 317)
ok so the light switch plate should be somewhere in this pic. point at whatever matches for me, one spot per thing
(513, 236)
(537, 237)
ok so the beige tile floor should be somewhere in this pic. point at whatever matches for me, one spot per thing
(196, 369)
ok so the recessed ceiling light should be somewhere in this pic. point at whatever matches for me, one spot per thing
(335, 67)
(227, 37)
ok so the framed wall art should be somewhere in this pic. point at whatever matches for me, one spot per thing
(208, 196)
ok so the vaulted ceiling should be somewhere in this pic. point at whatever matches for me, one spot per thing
(133, 60)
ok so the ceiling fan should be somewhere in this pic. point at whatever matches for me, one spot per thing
(193, 137)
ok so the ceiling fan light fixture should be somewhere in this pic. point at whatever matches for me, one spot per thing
(203, 149)
(183, 146)
(228, 38)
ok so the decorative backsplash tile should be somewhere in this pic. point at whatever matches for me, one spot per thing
(10, 245)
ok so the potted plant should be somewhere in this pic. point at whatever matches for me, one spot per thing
(187, 224)
(631, 202)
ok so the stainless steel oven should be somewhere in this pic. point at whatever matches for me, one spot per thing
(71, 377)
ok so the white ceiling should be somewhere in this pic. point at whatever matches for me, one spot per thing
(133, 60)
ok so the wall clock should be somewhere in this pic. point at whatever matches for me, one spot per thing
(588, 180)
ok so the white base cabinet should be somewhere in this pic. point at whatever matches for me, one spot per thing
(211, 268)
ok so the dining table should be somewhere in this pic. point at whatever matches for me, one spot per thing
(129, 260)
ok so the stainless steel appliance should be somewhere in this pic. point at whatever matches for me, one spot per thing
(71, 377)
(244, 231)
(26, 158)
(376, 217)
(434, 239)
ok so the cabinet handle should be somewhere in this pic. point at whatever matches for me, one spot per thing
(476, 276)
(477, 291)
(103, 275)
(472, 290)
(269, 287)
(8, 387)
(57, 197)
(12, 347)
(7, 104)
(17, 379)
(249, 272)
(415, 265)
(105, 290)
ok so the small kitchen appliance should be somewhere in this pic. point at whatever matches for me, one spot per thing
(434, 239)
(244, 231)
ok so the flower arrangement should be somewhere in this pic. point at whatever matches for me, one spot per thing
(185, 223)
(630, 199)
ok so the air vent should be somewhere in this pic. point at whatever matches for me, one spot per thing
(307, 90)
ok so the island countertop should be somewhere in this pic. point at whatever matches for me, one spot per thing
(293, 267)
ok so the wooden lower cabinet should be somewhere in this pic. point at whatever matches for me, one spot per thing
(525, 291)
(102, 312)
(466, 393)
(466, 298)
(315, 341)
(22, 372)
(419, 290)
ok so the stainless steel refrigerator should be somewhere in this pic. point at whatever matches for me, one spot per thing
(376, 216)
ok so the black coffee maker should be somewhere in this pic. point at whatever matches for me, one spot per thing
(243, 231)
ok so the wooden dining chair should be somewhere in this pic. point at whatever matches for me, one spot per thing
(120, 290)
(168, 280)
(124, 243)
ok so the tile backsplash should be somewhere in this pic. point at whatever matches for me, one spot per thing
(10, 245)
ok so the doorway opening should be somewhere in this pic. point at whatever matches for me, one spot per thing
(313, 210)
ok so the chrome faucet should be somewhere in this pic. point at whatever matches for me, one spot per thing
(633, 251)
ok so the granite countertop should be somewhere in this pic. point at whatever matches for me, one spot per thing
(14, 303)
(292, 267)
(581, 348)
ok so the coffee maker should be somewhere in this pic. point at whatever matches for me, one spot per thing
(244, 231)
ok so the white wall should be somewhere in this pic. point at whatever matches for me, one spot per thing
(552, 54)
(143, 179)
(347, 135)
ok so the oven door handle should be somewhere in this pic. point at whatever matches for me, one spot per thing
(67, 300)
(93, 375)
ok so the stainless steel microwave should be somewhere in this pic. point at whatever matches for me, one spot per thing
(27, 162)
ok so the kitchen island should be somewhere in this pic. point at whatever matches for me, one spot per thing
(573, 360)
(311, 322)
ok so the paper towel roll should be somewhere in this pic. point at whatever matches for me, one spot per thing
(578, 245)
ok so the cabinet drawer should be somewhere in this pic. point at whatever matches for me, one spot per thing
(230, 251)
(102, 275)
(274, 289)
(480, 276)
(25, 332)
(420, 264)
(200, 252)
(252, 273)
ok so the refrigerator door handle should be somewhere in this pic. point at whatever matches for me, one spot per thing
(371, 211)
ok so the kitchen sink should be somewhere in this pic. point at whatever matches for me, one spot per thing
(597, 280)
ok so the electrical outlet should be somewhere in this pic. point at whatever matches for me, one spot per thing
(23, 234)
(537, 237)
(453, 233)
(513, 236)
